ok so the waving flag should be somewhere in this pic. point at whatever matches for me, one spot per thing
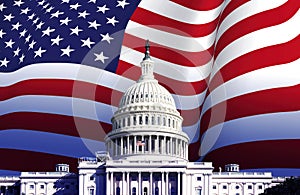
(231, 67)
(251, 113)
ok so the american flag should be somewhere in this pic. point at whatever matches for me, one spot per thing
(140, 143)
(230, 66)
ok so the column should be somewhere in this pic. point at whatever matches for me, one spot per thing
(116, 146)
(184, 182)
(134, 143)
(171, 146)
(112, 183)
(167, 183)
(128, 183)
(178, 183)
(81, 184)
(128, 149)
(143, 147)
(121, 146)
(151, 185)
(165, 145)
(254, 188)
(35, 187)
(107, 183)
(123, 184)
(139, 184)
(244, 188)
(46, 188)
(150, 145)
(156, 145)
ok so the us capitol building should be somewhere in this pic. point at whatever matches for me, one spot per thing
(147, 154)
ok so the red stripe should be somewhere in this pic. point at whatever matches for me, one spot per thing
(60, 87)
(231, 6)
(159, 22)
(200, 5)
(261, 58)
(22, 160)
(53, 123)
(183, 58)
(260, 154)
(176, 87)
(256, 22)
(262, 102)
(194, 151)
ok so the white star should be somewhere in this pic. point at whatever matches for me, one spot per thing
(102, 9)
(48, 31)
(22, 34)
(112, 21)
(4, 62)
(56, 40)
(92, 1)
(39, 52)
(56, 14)
(94, 24)
(39, 26)
(65, 21)
(16, 26)
(65, 1)
(122, 4)
(83, 14)
(28, 38)
(75, 6)
(2, 33)
(25, 11)
(42, 2)
(67, 51)
(45, 6)
(9, 43)
(17, 51)
(31, 16)
(100, 57)
(49, 9)
(31, 45)
(18, 3)
(36, 20)
(106, 37)
(2, 7)
(87, 42)
(8, 17)
(21, 58)
(75, 30)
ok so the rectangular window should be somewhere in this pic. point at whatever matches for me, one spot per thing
(198, 178)
(92, 178)
(260, 187)
(31, 187)
(91, 191)
(224, 187)
(214, 187)
(249, 187)
(42, 186)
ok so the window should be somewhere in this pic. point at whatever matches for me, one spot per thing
(91, 191)
(237, 187)
(260, 187)
(214, 187)
(42, 186)
(145, 191)
(31, 187)
(249, 187)
(156, 191)
(118, 191)
(224, 187)
(134, 191)
(198, 178)
(92, 178)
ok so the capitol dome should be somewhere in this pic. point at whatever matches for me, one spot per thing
(147, 123)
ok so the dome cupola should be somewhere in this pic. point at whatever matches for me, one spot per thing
(147, 123)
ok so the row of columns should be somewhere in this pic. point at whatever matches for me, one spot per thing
(152, 144)
(126, 187)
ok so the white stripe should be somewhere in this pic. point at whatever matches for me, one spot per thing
(49, 143)
(67, 106)
(266, 78)
(168, 69)
(184, 43)
(189, 102)
(274, 126)
(256, 40)
(85, 74)
(192, 132)
(246, 10)
(277, 172)
(178, 12)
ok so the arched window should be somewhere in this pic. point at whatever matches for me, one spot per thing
(153, 120)
(141, 120)
(169, 122)
(128, 121)
(156, 191)
(134, 191)
(134, 120)
(164, 121)
(118, 191)
(145, 191)
(146, 120)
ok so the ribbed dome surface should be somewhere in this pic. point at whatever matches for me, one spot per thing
(147, 91)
